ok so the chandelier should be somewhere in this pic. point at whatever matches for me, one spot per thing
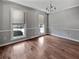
(50, 7)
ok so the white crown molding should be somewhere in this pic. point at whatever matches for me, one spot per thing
(37, 8)
(66, 8)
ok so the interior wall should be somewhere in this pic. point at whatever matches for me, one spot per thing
(31, 21)
(0, 15)
(65, 23)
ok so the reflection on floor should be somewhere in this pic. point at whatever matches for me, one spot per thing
(45, 47)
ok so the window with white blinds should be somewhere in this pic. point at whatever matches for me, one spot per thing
(17, 16)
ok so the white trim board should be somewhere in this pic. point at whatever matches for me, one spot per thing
(68, 38)
(23, 39)
(5, 30)
(38, 36)
(41, 9)
(64, 9)
(26, 5)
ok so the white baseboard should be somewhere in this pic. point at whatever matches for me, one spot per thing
(21, 40)
(38, 36)
(65, 37)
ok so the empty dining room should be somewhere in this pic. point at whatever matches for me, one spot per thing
(39, 29)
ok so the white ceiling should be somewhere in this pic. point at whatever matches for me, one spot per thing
(42, 4)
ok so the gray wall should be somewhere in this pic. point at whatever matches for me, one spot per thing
(0, 15)
(31, 21)
(65, 23)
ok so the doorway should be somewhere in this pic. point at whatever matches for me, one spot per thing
(41, 24)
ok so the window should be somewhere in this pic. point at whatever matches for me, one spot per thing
(41, 24)
(18, 24)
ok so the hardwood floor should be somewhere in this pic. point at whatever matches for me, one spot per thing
(46, 47)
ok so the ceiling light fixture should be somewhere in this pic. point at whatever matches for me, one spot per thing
(50, 8)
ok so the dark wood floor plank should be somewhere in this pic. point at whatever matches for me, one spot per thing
(46, 47)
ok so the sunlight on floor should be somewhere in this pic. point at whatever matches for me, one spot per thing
(41, 41)
(19, 47)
